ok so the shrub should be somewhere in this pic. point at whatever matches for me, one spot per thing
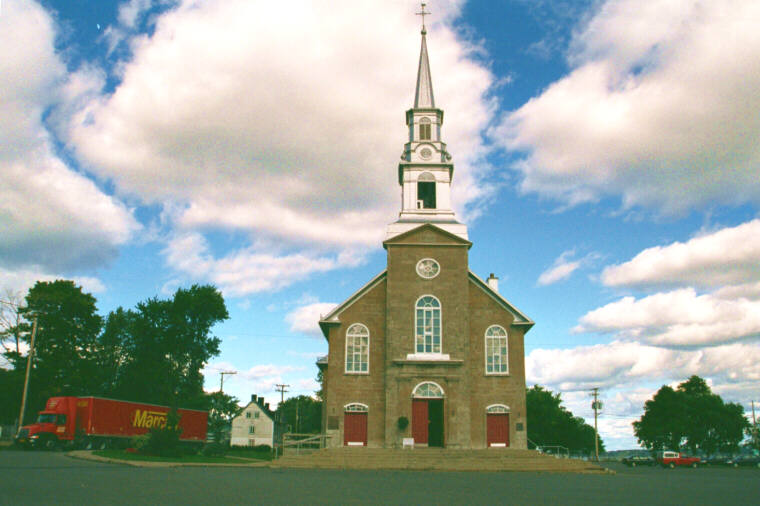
(402, 423)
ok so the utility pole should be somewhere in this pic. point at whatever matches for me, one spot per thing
(282, 389)
(754, 425)
(596, 405)
(28, 372)
(221, 383)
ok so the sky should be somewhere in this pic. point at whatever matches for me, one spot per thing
(606, 159)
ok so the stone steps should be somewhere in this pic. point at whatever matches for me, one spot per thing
(435, 459)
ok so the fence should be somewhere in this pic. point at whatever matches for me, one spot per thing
(299, 444)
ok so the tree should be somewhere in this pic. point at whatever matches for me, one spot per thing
(690, 416)
(550, 423)
(163, 345)
(222, 409)
(308, 411)
(67, 331)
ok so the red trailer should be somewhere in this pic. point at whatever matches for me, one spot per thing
(97, 422)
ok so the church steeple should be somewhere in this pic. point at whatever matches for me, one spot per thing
(426, 170)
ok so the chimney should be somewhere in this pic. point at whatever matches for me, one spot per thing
(253, 398)
(266, 406)
(493, 282)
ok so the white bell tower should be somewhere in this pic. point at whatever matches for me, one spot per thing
(425, 171)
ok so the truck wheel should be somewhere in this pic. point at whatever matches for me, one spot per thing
(672, 465)
(102, 444)
(694, 465)
(50, 443)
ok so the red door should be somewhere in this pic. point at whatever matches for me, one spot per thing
(355, 429)
(497, 429)
(420, 421)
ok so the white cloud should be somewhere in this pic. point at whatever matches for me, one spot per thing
(248, 270)
(51, 216)
(305, 318)
(21, 280)
(256, 117)
(677, 318)
(727, 256)
(659, 108)
(563, 267)
(620, 364)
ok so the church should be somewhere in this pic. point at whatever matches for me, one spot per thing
(426, 353)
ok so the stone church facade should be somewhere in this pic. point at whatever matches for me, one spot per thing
(426, 340)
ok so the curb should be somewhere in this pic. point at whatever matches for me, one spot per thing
(88, 455)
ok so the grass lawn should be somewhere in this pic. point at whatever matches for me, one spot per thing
(199, 459)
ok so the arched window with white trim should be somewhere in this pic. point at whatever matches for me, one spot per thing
(496, 350)
(497, 409)
(427, 325)
(357, 349)
(428, 390)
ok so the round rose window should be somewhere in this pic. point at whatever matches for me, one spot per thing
(428, 268)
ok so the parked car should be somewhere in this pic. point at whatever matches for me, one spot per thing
(672, 459)
(747, 460)
(721, 460)
(639, 460)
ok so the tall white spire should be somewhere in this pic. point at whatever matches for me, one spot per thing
(425, 171)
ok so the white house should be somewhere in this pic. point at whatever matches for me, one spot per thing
(254, 425)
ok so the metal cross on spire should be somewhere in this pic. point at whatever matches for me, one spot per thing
(423, 14)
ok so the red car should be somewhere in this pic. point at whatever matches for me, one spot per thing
(673, 459)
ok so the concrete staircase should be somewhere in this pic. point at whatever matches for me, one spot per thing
(435, 459)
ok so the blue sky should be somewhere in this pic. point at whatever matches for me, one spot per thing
(606, 162)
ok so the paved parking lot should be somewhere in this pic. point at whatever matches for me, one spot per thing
(52, 478)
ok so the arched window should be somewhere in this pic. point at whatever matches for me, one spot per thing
(497, 409)
(425, 129)
(356, 407)
(496, 350)
(427, 325)
(428, 390)
(357, 349)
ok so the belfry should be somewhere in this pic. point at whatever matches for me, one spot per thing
(426, 352)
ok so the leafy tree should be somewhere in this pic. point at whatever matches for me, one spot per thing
(692, 417)
(222, 409)
(163, 345)
(309, 414)
(550, 423)
(65, 345)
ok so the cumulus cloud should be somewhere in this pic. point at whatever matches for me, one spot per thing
(621, 363)
(251, 116)
(21, 280)
(51, 216)
(260, 379)
(727, 256)
(305, 318)
(248, 270)
(659, 108)
(677, 318)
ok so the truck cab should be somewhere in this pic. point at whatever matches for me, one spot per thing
(672, 459)
(54, 425)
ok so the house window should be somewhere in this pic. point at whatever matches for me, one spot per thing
(256, 414)
(250, 429)
(247, 414)
(496, 350)
(357, 349)
(427, 325)
(425, 129)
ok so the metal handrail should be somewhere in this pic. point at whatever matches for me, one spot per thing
(301, 442)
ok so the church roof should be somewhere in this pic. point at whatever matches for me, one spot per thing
(520, 317)
(331, 318)
(423, 96)
(397, 239)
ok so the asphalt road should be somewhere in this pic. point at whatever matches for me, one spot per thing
(36, 478)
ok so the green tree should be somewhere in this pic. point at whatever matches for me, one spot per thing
(550, 423)
(303, 414)
(65, 345)
(690, 416)
(162, 346)
(222, 409)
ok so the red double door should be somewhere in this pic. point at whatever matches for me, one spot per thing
(355, 429)
(497, 429)
(427, 421)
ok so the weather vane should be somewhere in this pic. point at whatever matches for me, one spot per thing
(423, 14)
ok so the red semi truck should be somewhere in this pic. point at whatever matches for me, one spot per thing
(95, 422)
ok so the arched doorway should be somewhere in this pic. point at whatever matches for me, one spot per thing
(427, 414)
(497, 426)
(355, 424)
